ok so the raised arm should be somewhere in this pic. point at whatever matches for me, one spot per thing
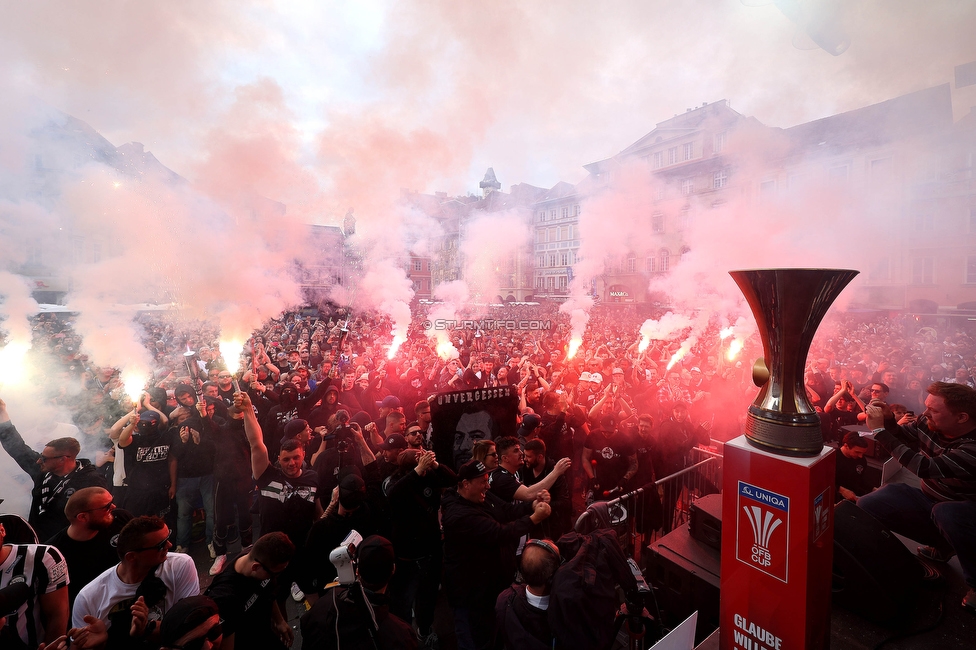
(259, 452)
(530, 492)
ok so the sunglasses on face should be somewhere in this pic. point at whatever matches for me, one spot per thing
(212, 635)
(108, 506)
(157, 547)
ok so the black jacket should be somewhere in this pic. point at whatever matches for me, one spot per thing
(47, 518)
(340, 620)
(479, 547)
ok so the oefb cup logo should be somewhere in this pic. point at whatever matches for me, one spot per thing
(762, 532)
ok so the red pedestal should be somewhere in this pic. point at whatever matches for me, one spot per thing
(777, 549)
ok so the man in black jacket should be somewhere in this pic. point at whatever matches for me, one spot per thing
(57, 473)
(342, 619)
(480, 532)
(414, 500)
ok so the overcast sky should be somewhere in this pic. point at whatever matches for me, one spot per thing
(428, 94)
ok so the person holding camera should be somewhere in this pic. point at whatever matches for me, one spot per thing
(939, 448)
(358, 615)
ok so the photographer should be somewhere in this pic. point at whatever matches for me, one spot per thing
(346, 511)
(358, 615)
(345, 446)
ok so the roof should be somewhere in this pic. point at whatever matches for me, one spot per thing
(912, 114)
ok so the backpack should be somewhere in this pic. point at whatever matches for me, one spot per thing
(583, 601)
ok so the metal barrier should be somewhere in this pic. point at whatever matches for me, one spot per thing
(643, 515)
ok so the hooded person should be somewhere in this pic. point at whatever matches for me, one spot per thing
(148, 476)
(343, 621)
(346, 511)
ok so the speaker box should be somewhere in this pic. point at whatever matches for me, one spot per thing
(874, 574)
(705, 520)
(685, 574)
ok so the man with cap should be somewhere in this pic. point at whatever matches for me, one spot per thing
(389, 404)
(480, 534)
(89, 542)
(528, 429)
(148, 478)
(348, 510)
(56, 472)
(342, 618)
(194, 622)
(244, 592)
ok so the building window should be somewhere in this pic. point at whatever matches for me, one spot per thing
(631, 264)
(562, 282)
(881, 170)
(565, 213)
(923, 220)
(553, 233)
(564, 233)
(665, 260)
(672, 155)
(418, 265)
(651, 264)
(540, 282)
(837, 175)
(657, 223)
(688, 151)
(658, 159)
(971, 269)
(550, 283)
(923, 270)
(719, 142)
(720, 179)
(576, 210)
(552, 260)
(542, 261)
(687, 186)
(684, 218)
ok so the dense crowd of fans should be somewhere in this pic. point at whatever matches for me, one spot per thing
(320, 433)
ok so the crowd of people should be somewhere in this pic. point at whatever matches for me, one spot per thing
(320, 432)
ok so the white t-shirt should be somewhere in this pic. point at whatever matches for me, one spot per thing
(107, 594)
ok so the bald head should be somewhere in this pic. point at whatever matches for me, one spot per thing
(538, 565)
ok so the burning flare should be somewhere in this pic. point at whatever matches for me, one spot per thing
(726, 333)
(446, 350)
(395, 345)
(574, 346)
(13, 362)
(734, 348)
(133, 383)
(230, 350)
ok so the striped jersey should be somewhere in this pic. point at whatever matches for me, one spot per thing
(947, 468)
(44, 570)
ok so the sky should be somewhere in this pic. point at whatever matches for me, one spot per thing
(442, 90)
